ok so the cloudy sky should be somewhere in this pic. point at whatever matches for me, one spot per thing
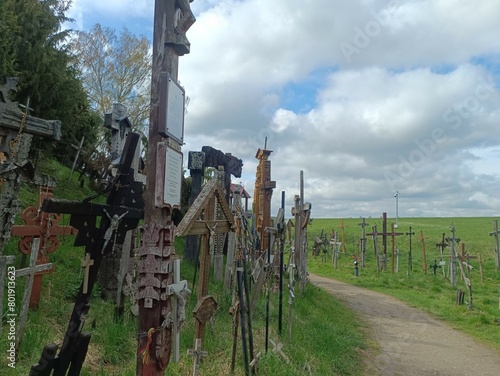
(367, 97)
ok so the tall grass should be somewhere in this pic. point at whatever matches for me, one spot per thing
(326, 338)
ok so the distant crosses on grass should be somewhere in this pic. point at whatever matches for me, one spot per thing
(497, 247)
(410, 266)
(424, 261)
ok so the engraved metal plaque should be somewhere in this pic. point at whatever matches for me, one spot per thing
(173, 177)
(171, 112)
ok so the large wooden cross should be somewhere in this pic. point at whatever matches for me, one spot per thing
(200, 220)
(124, 197)
(44, 226)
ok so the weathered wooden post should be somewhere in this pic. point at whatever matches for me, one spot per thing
(363, 224)
(374, 235)
(393, 235)
(342, 228)
(453, 266)
(79, 149)
(172, 19)
(424, 261)
(497, 247)
(410, 257)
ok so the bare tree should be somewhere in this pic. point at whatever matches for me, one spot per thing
(115, 68)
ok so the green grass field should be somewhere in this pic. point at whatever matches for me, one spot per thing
(326, 338)
(318, 344)
(432, 293)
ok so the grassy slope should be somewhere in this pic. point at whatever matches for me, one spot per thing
(325, 337)
(434, 294)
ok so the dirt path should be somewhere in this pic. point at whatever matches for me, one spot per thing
(409, 341)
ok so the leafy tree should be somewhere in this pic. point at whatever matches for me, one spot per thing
(115, 68)
(8, 28)
(34, 49)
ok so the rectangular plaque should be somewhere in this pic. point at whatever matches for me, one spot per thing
(173, 177)
(171, 112)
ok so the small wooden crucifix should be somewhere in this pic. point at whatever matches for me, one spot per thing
(86, 264)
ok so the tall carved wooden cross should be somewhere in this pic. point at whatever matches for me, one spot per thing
(122, 212)
(44, 226)
(262, 196)
(172, 19)
(200, 220)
